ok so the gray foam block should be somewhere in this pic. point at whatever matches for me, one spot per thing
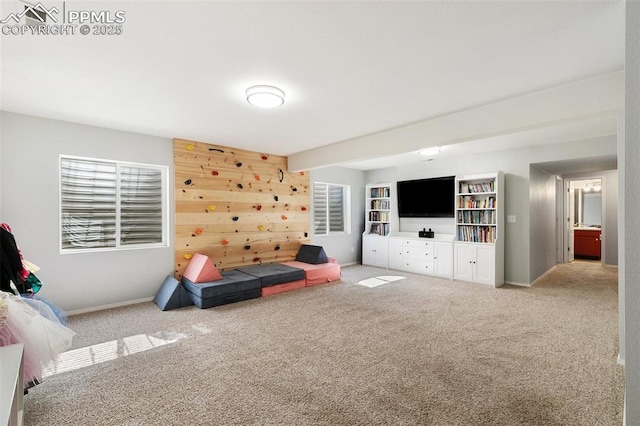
(172, 295)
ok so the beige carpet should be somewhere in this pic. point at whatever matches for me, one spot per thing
(416, 351)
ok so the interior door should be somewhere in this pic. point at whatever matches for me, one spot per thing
(570, 208)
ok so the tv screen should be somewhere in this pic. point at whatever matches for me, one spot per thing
(427, 197)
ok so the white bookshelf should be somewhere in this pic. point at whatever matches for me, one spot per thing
(479, 244)
(375, 245)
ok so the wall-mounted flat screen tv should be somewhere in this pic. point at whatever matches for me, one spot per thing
(433, 197)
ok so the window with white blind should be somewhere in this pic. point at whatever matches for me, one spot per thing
(111, 205)
(331, 206)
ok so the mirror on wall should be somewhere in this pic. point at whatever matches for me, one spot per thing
(588, 203)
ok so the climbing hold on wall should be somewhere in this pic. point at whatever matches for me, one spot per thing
(277, 247)
(294, 189)
(306, 234)
(303, 208)
(216, 149)
(188, 147)
(264, 157)
(187, 182)
(212, 206)
(275, 197)
(224, 242)
(283, 217)
(256, 259)
(256, 177)
(258, 207)
(301, 173)
(187, 256)
(198, 231)
(240, 186)
(238, 164)
(247, 247)
(235, 218)
(280, 175)
(214, 173)
(260, 228)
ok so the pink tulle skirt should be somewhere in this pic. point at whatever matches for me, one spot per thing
(43, 337)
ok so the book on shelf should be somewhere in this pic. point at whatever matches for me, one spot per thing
(481, 217)
(380, 205)
(379, 229)
(474, 187)
(380, 192)
(378, 216)
(477, 234)
(469, 202)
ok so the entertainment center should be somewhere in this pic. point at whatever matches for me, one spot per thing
(475, 205)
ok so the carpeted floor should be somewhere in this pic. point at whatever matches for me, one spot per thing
(416, 351)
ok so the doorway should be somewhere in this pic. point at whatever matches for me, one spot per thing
(583, 224)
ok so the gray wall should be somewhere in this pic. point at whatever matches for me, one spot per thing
(609, 211)
(30, 198)
(515, 164)
(345, 248)
(630, 228)
(542, 225)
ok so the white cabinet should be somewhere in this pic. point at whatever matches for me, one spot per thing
(395, 253)
(421, 255)
(442, 259)
(375, 243)
(474, 262)
(375, 251)
(417, 256)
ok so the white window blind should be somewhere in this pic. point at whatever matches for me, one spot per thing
(108, 204)
(330, 208)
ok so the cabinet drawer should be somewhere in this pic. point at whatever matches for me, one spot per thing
(418, 253)
(418, 243)
(418, 266)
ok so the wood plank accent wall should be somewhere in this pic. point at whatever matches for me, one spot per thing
(237, 207)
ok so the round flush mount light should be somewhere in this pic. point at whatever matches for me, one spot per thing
(429, 151)
(265, 96)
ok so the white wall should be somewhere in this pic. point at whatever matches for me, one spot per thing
(345, 248)
(516, 164)
(30, 198)
(542, 225)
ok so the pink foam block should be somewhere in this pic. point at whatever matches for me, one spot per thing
(200, 270)
(318, 274)
(281, 288)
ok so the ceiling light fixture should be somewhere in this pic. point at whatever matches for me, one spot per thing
(429, 151)
(265, 96)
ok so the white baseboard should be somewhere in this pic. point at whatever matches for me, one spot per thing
(620, 360)
(112, 305)
(550, 270)
(518, 284)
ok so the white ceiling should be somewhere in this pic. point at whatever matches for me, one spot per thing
(349, 69)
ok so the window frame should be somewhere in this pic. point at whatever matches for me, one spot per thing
(165, 215)
(346, 209)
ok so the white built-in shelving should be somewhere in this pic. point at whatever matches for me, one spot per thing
(479, 245)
